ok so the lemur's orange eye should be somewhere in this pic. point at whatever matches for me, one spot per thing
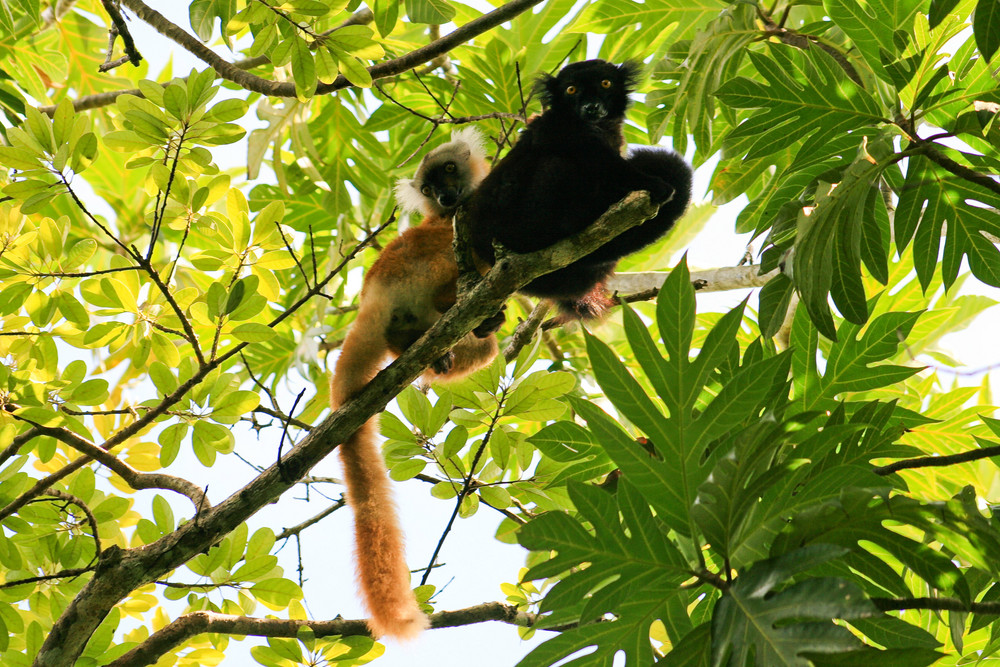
(449, 167)
(571, 90)
(426, 191)
(606, 83)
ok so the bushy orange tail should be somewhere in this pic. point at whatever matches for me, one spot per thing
(380, 554)
(379, 550)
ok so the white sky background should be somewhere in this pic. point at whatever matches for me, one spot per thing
(475, 564)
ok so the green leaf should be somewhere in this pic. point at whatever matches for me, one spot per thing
(828, 250)
(939, 9)
(778, 626)
(986, 27)
(633, 568)
(91, 392)
(309, 7)
(19, 158)
(235, 404)
(276, 593)
(204, 12)
(892, 632)
(175, 100)
(386, 14)
(251, 332)
(775, 298)
(303, 69)
(932, 199)
(896, 657)
(407, 469)
(236, 296)
(694, 650)
(878, 24)
(352, 69)
(809, 96)
(226, 111)
(170, 442)
(214, 436)
(415, 407)
(79, 254)
(429, 11)
(570, 453)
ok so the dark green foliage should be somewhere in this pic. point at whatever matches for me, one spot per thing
(758, 494)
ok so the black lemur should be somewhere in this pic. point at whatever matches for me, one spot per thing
(565, 171)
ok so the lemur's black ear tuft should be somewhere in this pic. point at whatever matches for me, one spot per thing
(546, 89)
(630, 71)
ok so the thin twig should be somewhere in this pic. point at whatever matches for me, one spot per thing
(61, 574)
(91, 520)
(298, 528)
(467, 486)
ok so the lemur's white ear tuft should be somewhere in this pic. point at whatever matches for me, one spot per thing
(471, 137)
(408, 196)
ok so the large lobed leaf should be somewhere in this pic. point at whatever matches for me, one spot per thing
(807, 95)
(755, 618)
(632, 569)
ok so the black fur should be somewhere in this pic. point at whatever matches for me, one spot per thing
(565, 171)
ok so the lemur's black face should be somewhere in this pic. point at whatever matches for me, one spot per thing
(446, 184)
(591, 90)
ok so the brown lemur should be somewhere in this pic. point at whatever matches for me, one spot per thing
(409, 286)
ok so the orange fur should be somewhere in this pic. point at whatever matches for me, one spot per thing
(406, 290)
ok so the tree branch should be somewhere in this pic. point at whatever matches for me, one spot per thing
(61, 574)
(937, 156)
(137, 480)
(91, 519)
(937, 604)
(172, 399)
(298, 528)
(119, 29)
(120, 571)
(526, 330)
(256, 84)
(200, 622)
(712, 280)
(97, 100)
(938, 461)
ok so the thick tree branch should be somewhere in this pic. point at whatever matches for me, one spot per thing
(199, 622)
(122, 571)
